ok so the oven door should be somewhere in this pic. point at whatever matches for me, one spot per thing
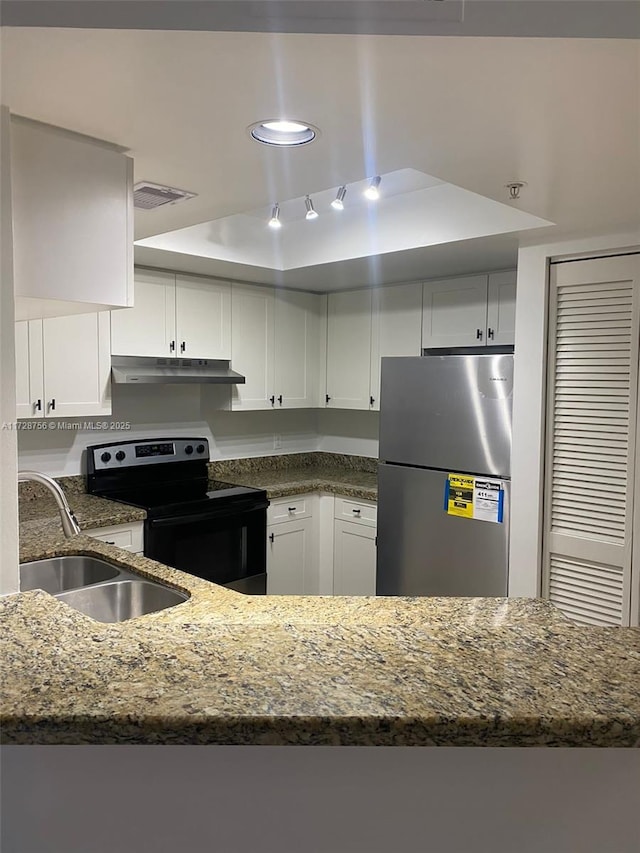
(224, 547)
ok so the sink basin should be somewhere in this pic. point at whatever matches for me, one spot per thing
(61, 573)
(104, 592)
(121, 600)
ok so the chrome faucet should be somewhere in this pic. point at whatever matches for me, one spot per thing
(70, 524)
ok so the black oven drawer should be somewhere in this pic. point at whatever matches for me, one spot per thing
(226, 549)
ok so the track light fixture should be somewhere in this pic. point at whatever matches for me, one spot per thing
(311, 211)
(274, 222)
(338, 202)
(372, 192)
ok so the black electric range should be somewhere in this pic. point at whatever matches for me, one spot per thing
(214, 530)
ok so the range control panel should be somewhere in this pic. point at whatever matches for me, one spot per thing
(130, 454)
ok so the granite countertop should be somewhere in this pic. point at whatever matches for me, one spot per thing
(298, 473)
(224, 668)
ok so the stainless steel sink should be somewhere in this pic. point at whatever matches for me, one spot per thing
(122, 599)
(98, 589)
(61, 573)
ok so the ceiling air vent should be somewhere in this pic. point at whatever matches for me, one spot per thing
(147, 196)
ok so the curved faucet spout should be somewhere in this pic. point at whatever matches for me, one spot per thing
(70, 524)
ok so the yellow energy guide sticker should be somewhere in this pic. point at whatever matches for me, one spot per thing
(459, 495)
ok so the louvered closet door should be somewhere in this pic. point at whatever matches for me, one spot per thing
(591, 436)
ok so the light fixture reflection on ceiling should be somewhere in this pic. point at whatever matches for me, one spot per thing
(372, 192)
(274, 222)
(338, 202)
(311, 211)
(283, 132)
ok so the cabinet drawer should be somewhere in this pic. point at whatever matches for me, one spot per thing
(286, 509)
(362, 512)
(127, 536)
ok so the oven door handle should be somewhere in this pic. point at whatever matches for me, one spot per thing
(196, 518)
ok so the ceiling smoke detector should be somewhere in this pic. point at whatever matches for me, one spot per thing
(147, 196)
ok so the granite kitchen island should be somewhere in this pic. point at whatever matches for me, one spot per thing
(228, 669)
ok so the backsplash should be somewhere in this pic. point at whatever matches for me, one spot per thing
(163, 411)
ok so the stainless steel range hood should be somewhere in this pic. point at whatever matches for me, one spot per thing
(128, 370)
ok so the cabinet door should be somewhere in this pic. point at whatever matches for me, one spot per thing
(149, 328)
(203, 318)
(296, 349)
(349, 349)
(290, 557)
(455, 312)
(72, 208)
(77, 365)
(501, 308)
(252, 330)
(396, 329)
(354, 561)
(29, 367)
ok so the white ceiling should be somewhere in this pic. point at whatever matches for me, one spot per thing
(414, 210)
(560, 114)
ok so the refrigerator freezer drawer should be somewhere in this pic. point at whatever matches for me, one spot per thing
(424, 551)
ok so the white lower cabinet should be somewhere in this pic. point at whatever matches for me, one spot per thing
(321, 545)
(354, 559)
(291, 558)
(130, 537)
(292, 546)
(354, 547)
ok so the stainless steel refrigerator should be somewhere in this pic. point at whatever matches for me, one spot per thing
(444, 475)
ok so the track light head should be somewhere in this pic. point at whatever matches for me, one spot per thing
(338, 202)
(311, 211)
(274, 222)
(372, 192)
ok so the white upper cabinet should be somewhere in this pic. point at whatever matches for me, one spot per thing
(276, 346)
(475, 310)
(252, 346)
(203, 318)
(396, 329)
(63, 366)
(29, 367)
(455, 312)
(297, 349)
(149, 328)
(72, 204)
(501, 308)
(348, 350)
(174, 316)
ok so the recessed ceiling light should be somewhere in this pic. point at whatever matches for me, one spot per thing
(274, 222)
(338, 202)
(283, 132)
(312, 213)
(372, 192)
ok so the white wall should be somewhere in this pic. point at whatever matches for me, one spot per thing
(163, 410)
(342, 431)
(8, 480)
(527, 459)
